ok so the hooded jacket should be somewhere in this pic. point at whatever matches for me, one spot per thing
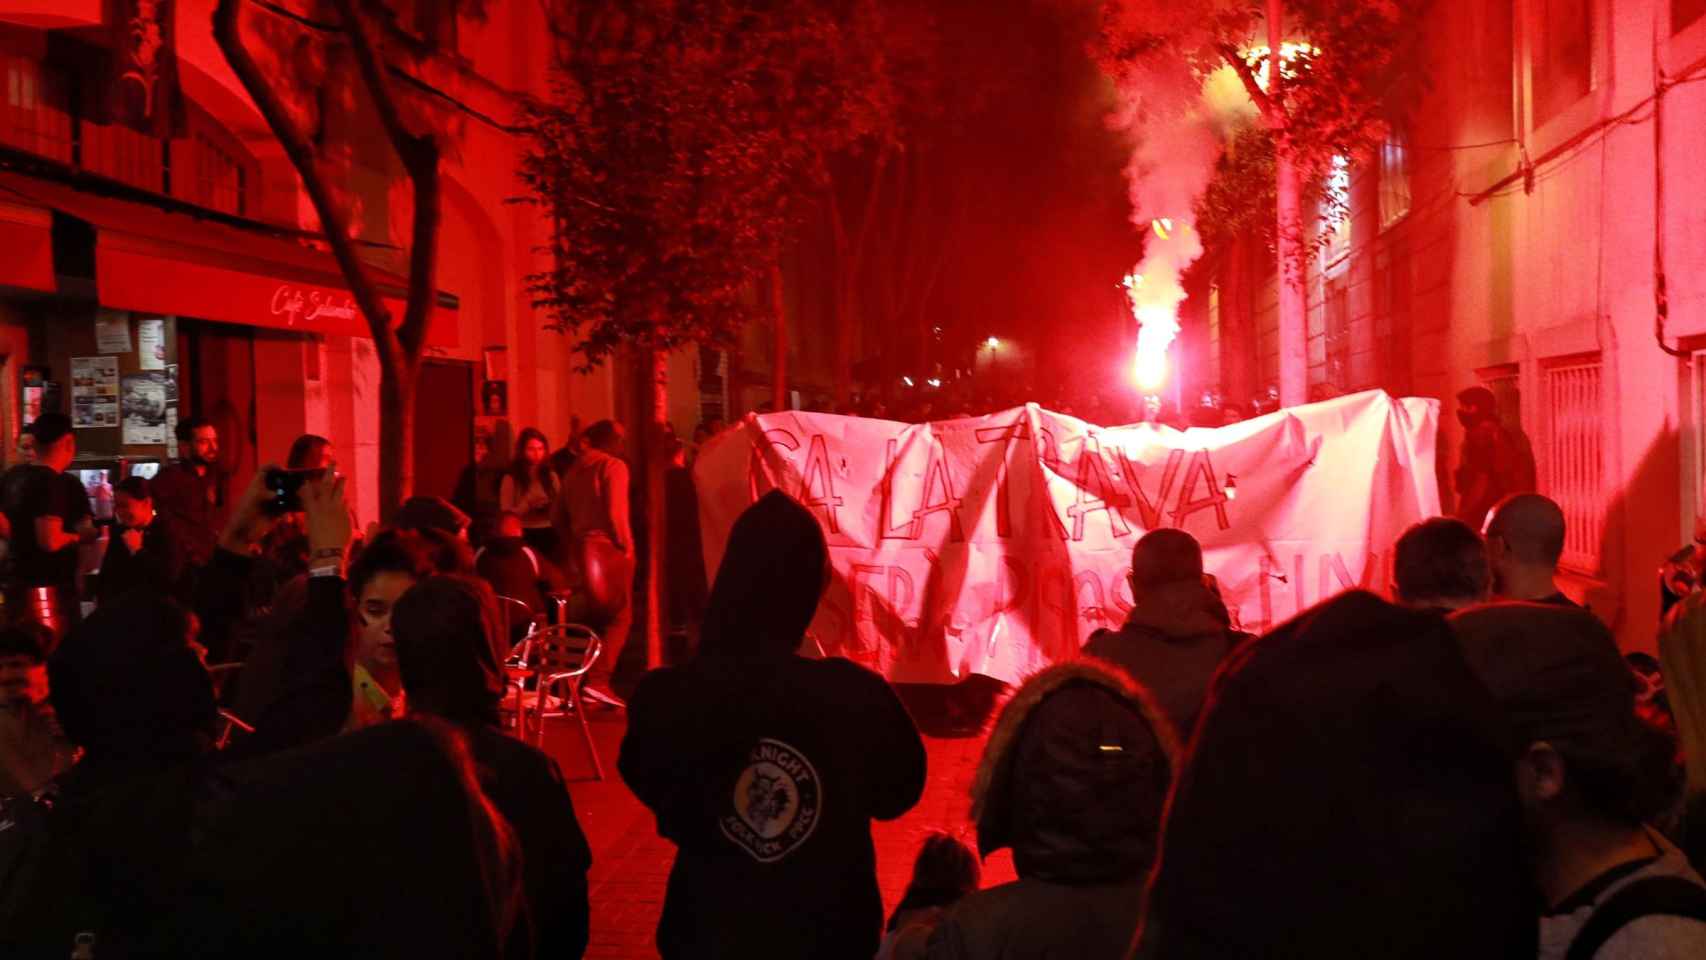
(1347, 793)
(766, 768)
(1074, 779)
(1171, 644)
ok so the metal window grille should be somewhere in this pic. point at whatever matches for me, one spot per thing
(33, 116)
(1575, 458)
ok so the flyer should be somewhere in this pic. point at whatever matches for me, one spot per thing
(151, 343)
(112, 331)
(145, 408)
(94, 392)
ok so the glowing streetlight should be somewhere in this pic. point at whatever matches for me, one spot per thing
(992, 343)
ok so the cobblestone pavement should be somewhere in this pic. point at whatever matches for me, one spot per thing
(631, 862)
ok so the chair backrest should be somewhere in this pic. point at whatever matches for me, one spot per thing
(516, 616)
(565, 650)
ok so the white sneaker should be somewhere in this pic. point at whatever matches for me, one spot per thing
(603, 697)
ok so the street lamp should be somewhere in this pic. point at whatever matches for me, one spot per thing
(992, 343)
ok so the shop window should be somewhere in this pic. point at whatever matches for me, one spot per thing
(1336, 211)
(35, 118)
(1394, 181)
(1685, 13)
(1574, 470)
(1561, 52)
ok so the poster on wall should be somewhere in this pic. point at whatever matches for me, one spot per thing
(112, 331)
(40, 394)
(171, 411)
(145, 408)
(151, 343)
(94, 392)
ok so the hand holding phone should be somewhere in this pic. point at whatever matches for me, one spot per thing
(286, 489)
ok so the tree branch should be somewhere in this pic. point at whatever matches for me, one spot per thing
(419, 155)
(1268, 107)
(333, 221)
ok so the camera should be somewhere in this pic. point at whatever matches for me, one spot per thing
(286, 488)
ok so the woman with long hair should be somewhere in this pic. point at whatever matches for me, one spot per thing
(529, 488)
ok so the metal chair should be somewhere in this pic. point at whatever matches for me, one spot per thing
(225, 676)
(516, 619)
(561, 656)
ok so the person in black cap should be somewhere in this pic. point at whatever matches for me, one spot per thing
(432, 513)
(1074, 779)
(50, 518)
(1347, 794)
(765, 768)
(1591, 776)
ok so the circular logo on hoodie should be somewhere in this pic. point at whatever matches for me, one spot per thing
(777, 802)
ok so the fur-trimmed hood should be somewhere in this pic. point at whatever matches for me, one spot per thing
(1074, 777)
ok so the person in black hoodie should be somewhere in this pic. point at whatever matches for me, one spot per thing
(450, 656)
(766, 768)
(1074, 779)
(1347, 794)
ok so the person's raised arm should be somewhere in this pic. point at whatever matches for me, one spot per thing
(316, 695)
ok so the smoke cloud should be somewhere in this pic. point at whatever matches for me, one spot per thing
(1179, 126)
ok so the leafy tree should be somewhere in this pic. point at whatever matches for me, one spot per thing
(1329, 93)
(358, 41)
(674, 159)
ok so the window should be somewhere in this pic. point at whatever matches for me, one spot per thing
(215, 178)
(1336, 211)
(1560, 55)
(1394, 181)
(1574, 472)
(1684, 14)
(33, 117)
(1337, 307)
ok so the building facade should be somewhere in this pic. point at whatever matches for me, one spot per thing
(1524, 229)
(159, 242)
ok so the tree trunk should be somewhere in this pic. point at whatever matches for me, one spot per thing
(655, 367)
(779, 370)
(1293, 305)
(396, 435)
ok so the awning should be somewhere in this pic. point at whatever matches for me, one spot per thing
(156, 261)
(26, 236)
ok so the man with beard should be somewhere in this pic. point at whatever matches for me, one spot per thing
(1494, 463)
(185, 492)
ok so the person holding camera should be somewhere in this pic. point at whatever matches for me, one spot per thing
(140, 556)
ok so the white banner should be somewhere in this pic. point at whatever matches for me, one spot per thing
(996, 544)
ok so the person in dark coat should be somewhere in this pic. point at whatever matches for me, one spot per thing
(1347, 794)
(140, 555)
(1074, 779)
(185, 493)
(1176, 634)
(766, 768)
(450, 655)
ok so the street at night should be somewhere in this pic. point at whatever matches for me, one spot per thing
(852, 479)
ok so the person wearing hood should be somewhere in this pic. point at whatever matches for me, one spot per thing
(1347, 794)
(1177, 632)
(1074, 779)
(766, 768)
(450, 655)
(1495, 462)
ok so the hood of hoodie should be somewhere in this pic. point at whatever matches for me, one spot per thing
(1075, 775)
(1347, 784)
(770, 581)
(1180, 610)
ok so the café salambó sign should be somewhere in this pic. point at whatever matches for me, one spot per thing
(317, 310)
(997, 544)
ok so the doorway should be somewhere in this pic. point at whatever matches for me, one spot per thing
(444, 425)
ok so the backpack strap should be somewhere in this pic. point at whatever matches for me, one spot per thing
(1653, 896)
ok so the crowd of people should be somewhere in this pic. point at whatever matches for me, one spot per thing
(263, 730)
